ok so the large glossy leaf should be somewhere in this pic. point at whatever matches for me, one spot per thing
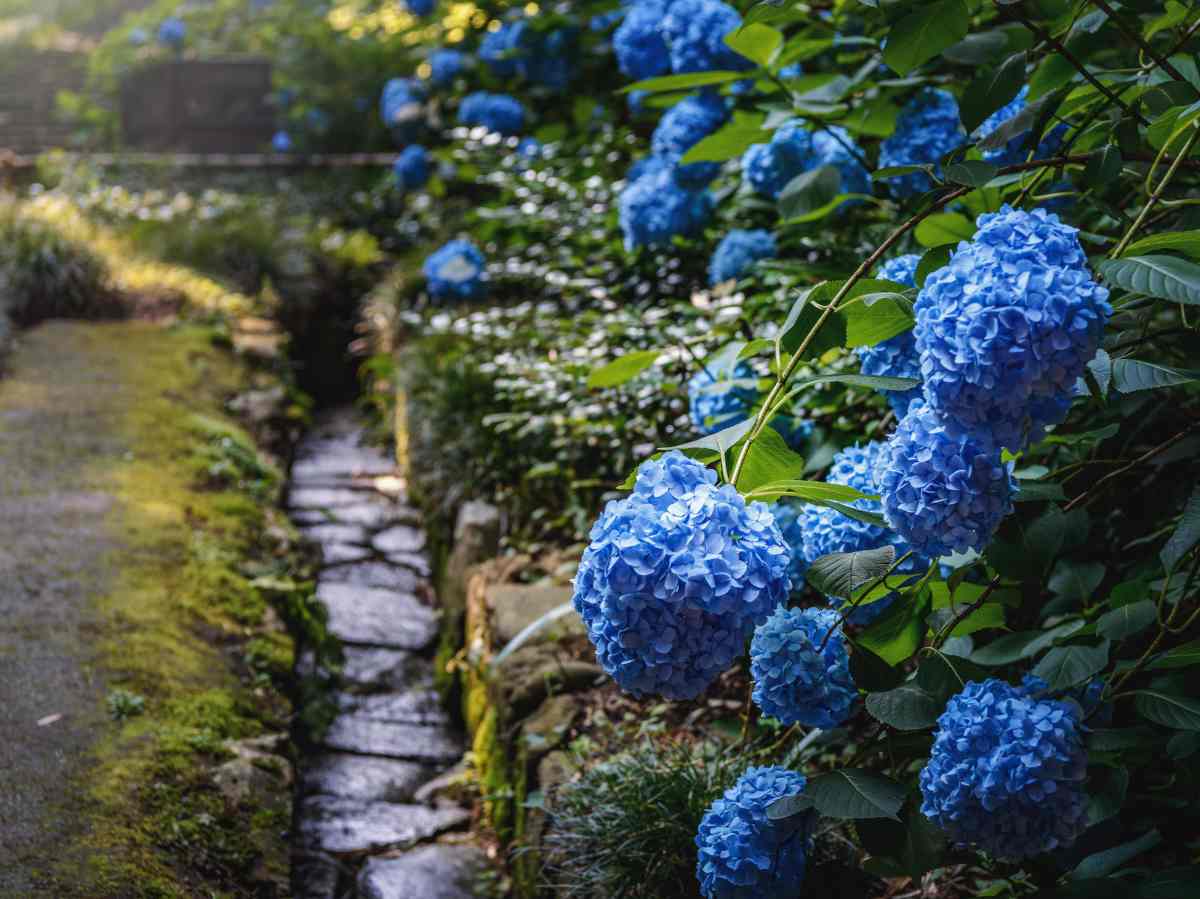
(991, 90)
(809, 191)
(898, 632)
(924, 33)
(728, 142)
(686, 81)
(1068, 666)
(817, 492)
(1165, 277)
(623, 368)
(1184, 656)
(855, 793)
(971, 172)
(1168, 709)
(1186, 242)
(1132, 375)
(944, 228)
(1186, 535)
(757, 42)
(768, 459)
(1127, 620)
(1101, 864)
(841, 574)
(907, 707)
(876, 317)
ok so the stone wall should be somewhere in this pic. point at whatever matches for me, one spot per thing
(29, 86)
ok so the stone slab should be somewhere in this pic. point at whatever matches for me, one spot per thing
(364, 777)
(375, 574)
(412, 706)
(399, 539)
(336, 533)
(373, 668)
(365, 615)
(515, 606)
(392, 739)
(440, 871)
(350, 827)
(324, 497)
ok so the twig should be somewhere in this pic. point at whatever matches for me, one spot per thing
(1140, 460)
(863, 593)
(944, 633)
(1158, 191)
(1132, 34)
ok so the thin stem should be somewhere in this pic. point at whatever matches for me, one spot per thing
(1045, 36)
(853, 604)
(1140, 460)
(944, 634)
(1162, 185)
(1132, 34)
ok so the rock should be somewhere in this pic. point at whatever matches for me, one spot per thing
(336, 533)
(371, 668)
(399, 539)
(445, 783)
(350, 827)
(476, 539)
(555, 769)
(412, 706)
(549, 725)
(343, 554)
(364, 777)
(392, 739)
(339, 459)
(375, 574)
(417, 563)
(323, 497)
(316, 876)
(243, 781)
(534, 672)
(515, 606)
(257, 407)
(376, 617)
(439, 871)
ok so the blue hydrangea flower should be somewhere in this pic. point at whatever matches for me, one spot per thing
(317, 120)
(401, 102)
(794, 429)
(654, 208)
(604, 21)
(172, 32)
(498, 50)
(445, 66)
(787, 516)
(647, 165)
(456, 271)
(942, 493)
(793, 150)
(281, 142)
(1006, 771)
(675, 578)
(412, 167)
(1014, 150)
(638, 41)
(794, 70)
(1008, 326)
(792, 680)
(420, 7)
(743, 854)
(684, 125)
(928, 128)
(529, 147)
(737, 251)
(716, 403)
(138, 37)
(546, 58)
(694, 32)
(496, 112)
(897, 356)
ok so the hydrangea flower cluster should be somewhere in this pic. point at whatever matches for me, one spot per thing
(498, 50)
(797, 681)
(928, 128)
(1013, 151)
(638, 42)
(412, 167)
(794, 150)
(676, 577)
(281, 142)
(942, 492)
(1006, 771)
(420, 7)
(400, 103)
(684, 125)
(743, 854)
(546, 59)
(456, 271)
(172, 32)
(787, 516)
(496, 112)
(529, 147)
(694, 32)
(445, 65)
(828, 531)
(737, 251)
(654, 207)
(897, 356)
(718, 402)
(1008, 326)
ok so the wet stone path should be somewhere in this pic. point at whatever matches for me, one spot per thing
(368, 820)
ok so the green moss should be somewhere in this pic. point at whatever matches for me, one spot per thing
(187, 538)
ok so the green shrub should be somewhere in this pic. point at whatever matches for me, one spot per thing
(45, 275)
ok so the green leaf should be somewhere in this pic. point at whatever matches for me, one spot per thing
(907, 707)
(1068, 666)
(818, 493)
(768, 459)
(1101, 864)
(726, 143)
(811, 190)
(944, 228)
(789, 806)
(855, 793)
(720, 442)
(971, 172)
(895, 171)
(991, 90)
(1127, 620)
(1168, 709)
(1164, 277)
(1026, 120)
(1106, 792)
(1076, 581)
(872, 518)
(1184, 656)
(1132, 375)
(803, 318)
(1038, 491)
(686, 81)
(757, 42)
(876, 318)
(936, 258)
(623, 368)
(841, 574)
(942, 675)
(1186, 242)
(902, 850)
(872, 673)
(1103, 167)
(924, 33)
(898, 632)
(1186, 535)
(990, 615)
